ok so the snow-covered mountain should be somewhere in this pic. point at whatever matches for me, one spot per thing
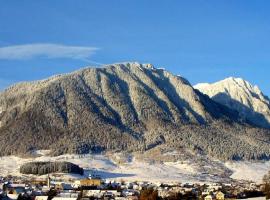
(242, 96)
(123, 107)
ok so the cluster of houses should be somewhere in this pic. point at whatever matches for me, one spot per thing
(13, 188)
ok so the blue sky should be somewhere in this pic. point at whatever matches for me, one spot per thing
(202, 40)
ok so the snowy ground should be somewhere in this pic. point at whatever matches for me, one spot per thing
(107, 168)
(138, 170)
(253, 171)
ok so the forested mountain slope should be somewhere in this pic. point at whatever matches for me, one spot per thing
(128, 106)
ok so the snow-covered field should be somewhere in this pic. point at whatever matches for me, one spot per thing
(109, 167)
(253, 171)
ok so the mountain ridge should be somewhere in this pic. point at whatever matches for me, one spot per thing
(123, 107)
(242, 96)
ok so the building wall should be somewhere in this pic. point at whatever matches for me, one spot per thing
(90, 182)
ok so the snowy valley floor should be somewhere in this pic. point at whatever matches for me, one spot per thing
(130, 168)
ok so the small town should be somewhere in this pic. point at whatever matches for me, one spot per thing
(93, 187)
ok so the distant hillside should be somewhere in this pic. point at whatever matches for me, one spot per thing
(128, 106)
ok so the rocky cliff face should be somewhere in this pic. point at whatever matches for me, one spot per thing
(240, 95)
(127, 106)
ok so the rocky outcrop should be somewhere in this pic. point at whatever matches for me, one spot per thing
(240, 95)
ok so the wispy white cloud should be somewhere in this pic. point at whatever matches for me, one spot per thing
(47, 50)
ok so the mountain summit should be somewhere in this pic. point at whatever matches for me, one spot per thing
(126, 106)
(240, 95)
